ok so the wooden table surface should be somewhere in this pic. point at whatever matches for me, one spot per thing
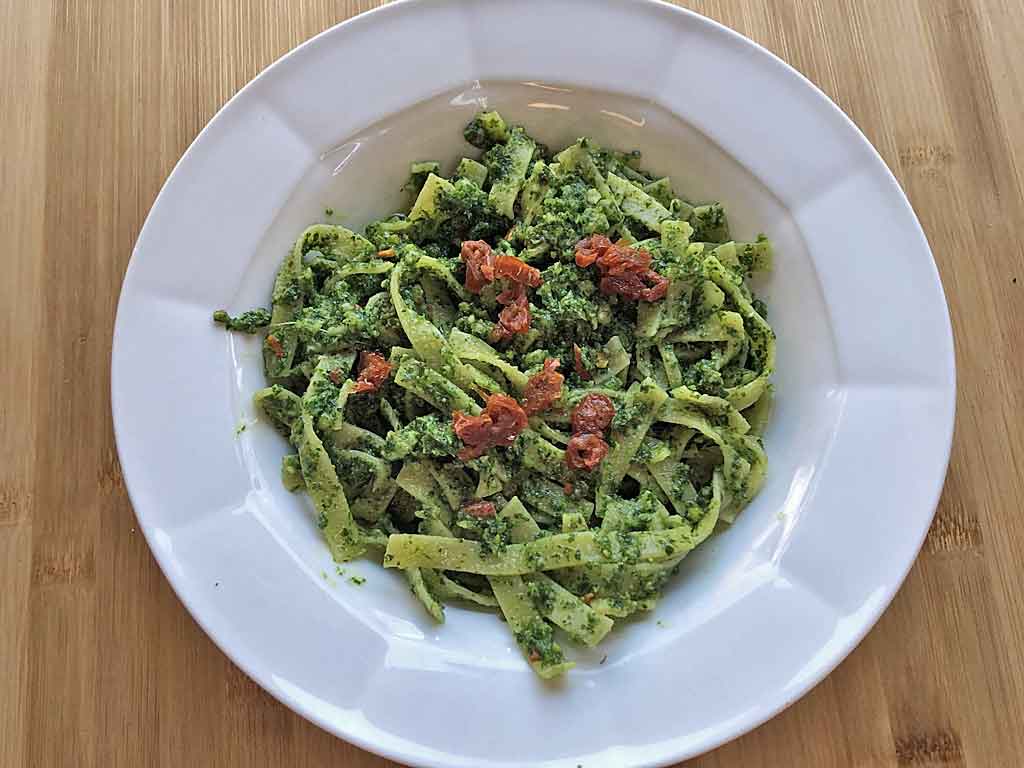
(100, 665)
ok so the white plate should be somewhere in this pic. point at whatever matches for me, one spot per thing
(858, 446)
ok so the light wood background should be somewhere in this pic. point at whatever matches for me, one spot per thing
(100, 665)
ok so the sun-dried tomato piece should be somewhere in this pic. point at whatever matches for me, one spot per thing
(621, 259)
(507, 416)
(500, 422)
(479, 508)
(590, 248)
(514, 292)
(474, 432)
(516, 270)
(657, 291)
(625, 271)
(585, 451)
(628, 286)
(577, 364)
(479, 260)
(593, 414)
(611, 258)
(543, 388)
(515, 317)
(275, 346)
(373, 371)
(336, 377)
(634, 286)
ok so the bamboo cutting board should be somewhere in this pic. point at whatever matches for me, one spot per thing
(100, 665)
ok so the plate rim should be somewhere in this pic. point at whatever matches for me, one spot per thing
(669, 751)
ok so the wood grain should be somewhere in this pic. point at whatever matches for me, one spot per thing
(100, 665)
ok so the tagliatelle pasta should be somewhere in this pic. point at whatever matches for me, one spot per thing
(534, 392)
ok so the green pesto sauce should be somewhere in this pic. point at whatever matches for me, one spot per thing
(539, 639)
(399, 290)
